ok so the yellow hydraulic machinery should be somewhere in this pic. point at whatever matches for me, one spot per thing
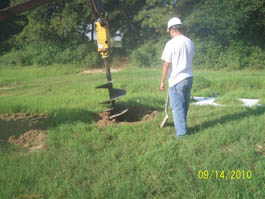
(104, 45)
(103, 38)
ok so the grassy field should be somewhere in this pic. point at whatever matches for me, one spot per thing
(222, 157)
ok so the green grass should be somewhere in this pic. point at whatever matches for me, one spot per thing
(132, 160)
(228, 100)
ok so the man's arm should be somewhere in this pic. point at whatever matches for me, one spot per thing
(165, 69)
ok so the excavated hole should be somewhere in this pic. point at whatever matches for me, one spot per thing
(135, 114)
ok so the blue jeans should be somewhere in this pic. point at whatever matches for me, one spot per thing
(179, 97)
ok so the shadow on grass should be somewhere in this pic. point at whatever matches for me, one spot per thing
(20, 123)
(62, 116)
(137, 112)
(143, 103)
(228, 118)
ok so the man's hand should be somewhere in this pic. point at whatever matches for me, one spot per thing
(162, 86)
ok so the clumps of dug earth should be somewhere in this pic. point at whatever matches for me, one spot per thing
(31, 140)
(136, 114)
(23, 130)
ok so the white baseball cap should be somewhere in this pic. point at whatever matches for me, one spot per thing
(172, 22)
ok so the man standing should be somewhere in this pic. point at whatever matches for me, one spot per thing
(177, 56)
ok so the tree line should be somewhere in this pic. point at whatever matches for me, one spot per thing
(226, 33)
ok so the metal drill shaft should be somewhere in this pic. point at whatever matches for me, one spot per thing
(108, 75)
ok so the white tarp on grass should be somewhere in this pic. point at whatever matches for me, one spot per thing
(210, 101)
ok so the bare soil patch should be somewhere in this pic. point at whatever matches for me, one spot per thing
(135, 115)
(260, 149)
(124, 63)
(6, 88)
(23, 130)
(99, 70)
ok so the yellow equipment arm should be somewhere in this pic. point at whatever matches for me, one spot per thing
(103, 37)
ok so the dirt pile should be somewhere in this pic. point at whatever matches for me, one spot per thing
(134, 115)
(32, 140)
(103, 120)
(23, 130)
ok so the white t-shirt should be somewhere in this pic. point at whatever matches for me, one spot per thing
(178, 51)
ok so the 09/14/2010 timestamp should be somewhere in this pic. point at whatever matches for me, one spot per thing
(225, 174)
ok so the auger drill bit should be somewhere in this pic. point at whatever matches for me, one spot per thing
(114, 94)
(103, 41)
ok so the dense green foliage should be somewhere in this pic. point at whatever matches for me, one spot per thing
(10, 27)
(130, 160)
(42, 53)
(227, 34)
